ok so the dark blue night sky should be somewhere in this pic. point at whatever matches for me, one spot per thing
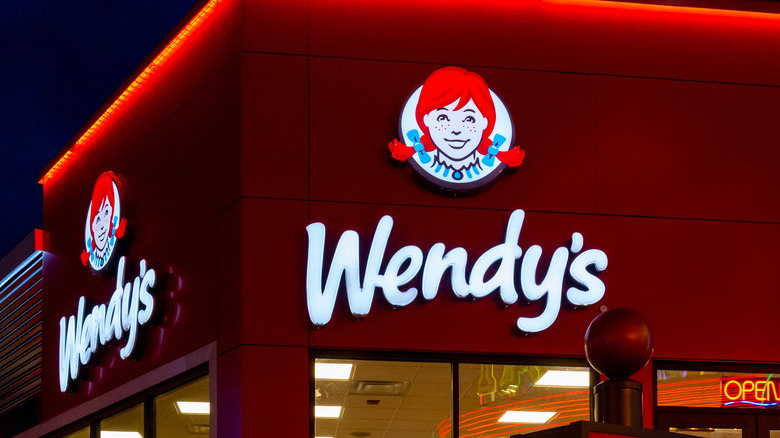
(59, 62)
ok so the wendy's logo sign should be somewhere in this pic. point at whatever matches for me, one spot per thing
(501, 268)
(105, 224)
(131, 305)
(456, 133)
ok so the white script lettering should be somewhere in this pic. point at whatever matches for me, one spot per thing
(131, 306)
(346, 261)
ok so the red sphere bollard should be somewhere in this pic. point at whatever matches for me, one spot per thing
(618, 343)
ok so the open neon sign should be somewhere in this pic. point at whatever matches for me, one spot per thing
(409, 261)
(751, 393)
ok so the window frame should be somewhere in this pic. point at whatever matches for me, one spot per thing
(667, 412)
(146, 397)
(454, 359)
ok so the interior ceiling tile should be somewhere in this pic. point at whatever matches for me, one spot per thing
(358, 424)
(430, 390)
(385, 401)
(433, 375)
(414, 425)
(421, 414)
(426, 403)
(369, 413)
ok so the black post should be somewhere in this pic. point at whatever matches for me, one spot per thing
(618, 401)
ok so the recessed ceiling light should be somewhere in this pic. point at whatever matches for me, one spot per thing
(118, 434)
(332, 371)
(193, 408)
(565, 379)
(526, 417)
(327, 411)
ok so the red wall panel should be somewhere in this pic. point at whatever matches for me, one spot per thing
(703, 285)
(687, 149)
(274, 125)
(563, 35)
(263, 390)
(264, 303)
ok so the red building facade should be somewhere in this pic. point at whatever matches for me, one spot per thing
(650, 130)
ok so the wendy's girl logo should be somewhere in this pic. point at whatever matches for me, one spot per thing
(105, 224)
(456, 132)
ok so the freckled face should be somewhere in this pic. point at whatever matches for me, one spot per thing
(456, 133)
(101, 224)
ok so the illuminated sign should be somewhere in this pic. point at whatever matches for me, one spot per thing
(131, 305)
(741, 392)
(455, 132)
(105, 225)
(409, 261)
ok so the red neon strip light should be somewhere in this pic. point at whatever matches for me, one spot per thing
(131, 89)
(208, 9)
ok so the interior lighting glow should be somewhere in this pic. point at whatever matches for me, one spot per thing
(333, 371)
(560, 378)
(327, 411)
(193, 408)
(131, 89)
(118, 434)
(526, 417)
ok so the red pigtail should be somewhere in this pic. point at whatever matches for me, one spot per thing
(121, 228)
(400, 151)
(513, 157)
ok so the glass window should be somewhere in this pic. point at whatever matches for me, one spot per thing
(501, 400)
(181, 412)
(715, 389)
(367, 398)
(126, 424)
(184, 410)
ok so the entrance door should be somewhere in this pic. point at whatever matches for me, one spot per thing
(720, 425)
(769, 426)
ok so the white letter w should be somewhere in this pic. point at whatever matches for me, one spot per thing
(346, 259)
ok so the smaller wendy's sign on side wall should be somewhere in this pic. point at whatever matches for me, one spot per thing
(131, 305)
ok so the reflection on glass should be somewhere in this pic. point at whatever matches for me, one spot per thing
(83, 433)
(126, 424)
(712, 389)
(184, 410)
(382, 398)
(502, 400)
(708, 432)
